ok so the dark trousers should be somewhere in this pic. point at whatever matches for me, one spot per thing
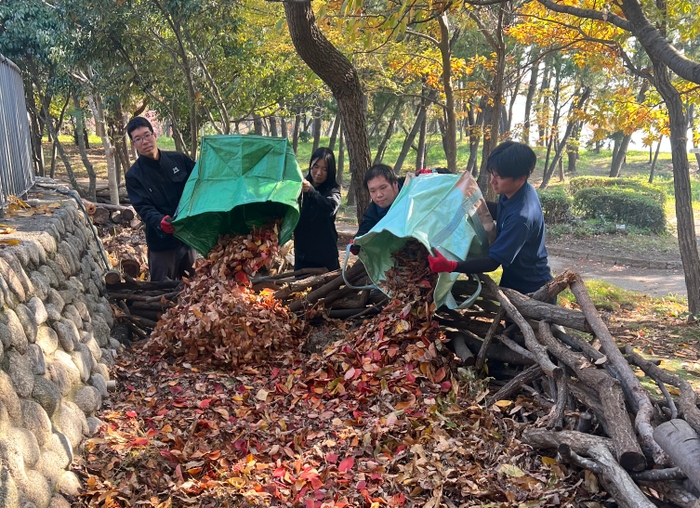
(171, 264)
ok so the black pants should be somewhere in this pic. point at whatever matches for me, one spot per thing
(171, 264)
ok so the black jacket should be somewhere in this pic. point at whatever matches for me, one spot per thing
(155, 188)
(315, 237)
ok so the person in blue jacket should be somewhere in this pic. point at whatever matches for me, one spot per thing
(383, 186)
(519, 245)
(155, 183)
(315, 237)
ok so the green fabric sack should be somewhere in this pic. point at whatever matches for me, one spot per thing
(441, 211)
(239, 182)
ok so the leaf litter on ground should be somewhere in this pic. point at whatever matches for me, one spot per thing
(222, 408)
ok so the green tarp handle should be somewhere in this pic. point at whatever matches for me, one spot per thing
(345, 265)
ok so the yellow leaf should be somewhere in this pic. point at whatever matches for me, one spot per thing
(511, 470)
(10, 241)
(549, 461)
(503, 403)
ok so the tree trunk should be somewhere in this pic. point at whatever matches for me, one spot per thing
(475, 123)
(59, 147)
(295, 134)
(531, 89)
(334, 132)
(317, 128)
(408, 141)
(450, 136)
(681, 184)
(273, 126)
(492, 112)
(341, 77)
(283, 127)
(341, 157)
(619, 156)
(691, 123)
(576, 105)
(98, 114)
(79, 127)
(656, 156)
(36, 130)
(542, 105)
(257, 125)
(420, 152)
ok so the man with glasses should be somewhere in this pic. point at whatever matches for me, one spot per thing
(155, 184)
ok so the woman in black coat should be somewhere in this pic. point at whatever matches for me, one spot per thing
(315, 237)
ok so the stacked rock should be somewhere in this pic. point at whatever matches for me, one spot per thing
(55, 353)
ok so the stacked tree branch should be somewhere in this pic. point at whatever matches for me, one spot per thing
(140, 304)
(600, 416)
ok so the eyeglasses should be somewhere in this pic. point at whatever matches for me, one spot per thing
(145, 137)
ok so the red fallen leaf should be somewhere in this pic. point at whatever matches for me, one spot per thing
(346, 464)
(204, 404)
(331, 458)
(139, 442)
(275, 372)
(361, 485)
(445, 386)
(316, 483)
(439, 375)
(242, 278)
(162, 412)
(410, 378)
(130, 388)
(131, 414)
(279, 472)
(175, 389)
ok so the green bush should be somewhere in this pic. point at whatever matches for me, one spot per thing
(591, 182)
(623, 206)
(556, 205)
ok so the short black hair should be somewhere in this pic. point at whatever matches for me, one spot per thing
(135, 123)
(327, 155)
(511, 159)
(380, 170)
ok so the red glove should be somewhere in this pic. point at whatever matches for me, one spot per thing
(166, 225)
(354, 249)
(440, 263)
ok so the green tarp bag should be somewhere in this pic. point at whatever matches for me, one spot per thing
(441, 211)
(239, 182)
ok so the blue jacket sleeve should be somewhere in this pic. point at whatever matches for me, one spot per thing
(509, 242)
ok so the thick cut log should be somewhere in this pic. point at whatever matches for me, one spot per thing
(674, 493)
(158, 307)
(589, 398)
(531, 343)
(554, 287)
(145, 285)
(113, 277)
(357, 270)
(528, 307)
(515, 385)
(90, 207)
(638, 397)
(494, 353)
(687, 402)
(678, 439)
(312, 283)
(294, 274)
(131, 267)
(613, 477)
(100, 217)
(624, 440)
(481, 357)
(461, 349)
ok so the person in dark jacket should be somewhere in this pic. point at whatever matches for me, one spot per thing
(315, 237)
(519, 246)
(383, 187)
(155, 183)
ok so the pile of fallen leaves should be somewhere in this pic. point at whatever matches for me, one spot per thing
(383, 417)
(218, 319)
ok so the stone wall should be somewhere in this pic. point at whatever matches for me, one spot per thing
(55, 348)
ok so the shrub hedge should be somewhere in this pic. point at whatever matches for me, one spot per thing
(589, 182)
(556, 205)
(621, 205)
